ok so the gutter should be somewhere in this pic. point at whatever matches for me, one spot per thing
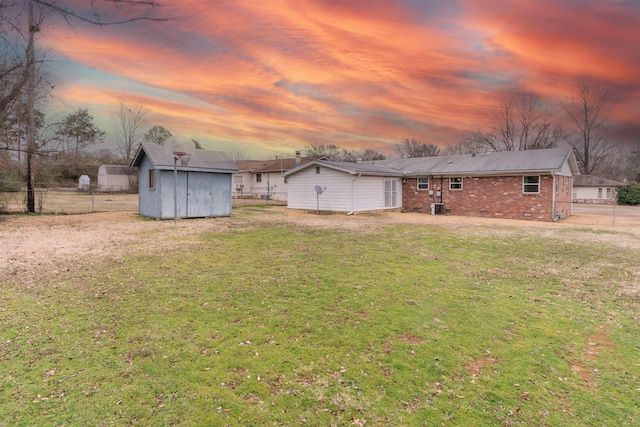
(353, 181)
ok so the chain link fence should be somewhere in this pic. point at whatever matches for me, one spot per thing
(58, 199)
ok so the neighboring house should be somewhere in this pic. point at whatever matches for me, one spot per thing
(532, 185)
(264, 179)
(203, 182)
(595, 190)
(116, 178)
(345, 187)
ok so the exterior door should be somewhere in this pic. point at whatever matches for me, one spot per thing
(390, 193)
(199, 194)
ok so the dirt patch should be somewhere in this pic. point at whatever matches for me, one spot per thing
(33, 246)
(476, 366)
(596, 343)
(410, 338)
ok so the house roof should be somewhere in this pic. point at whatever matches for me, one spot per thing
(497, 163)
(116, 169)
(163, 156)
(594, 181)
(500, 163)
(350, 168)
(277, 165)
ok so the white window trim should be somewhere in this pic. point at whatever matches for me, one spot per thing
(418, 183)
(525, 184)
(452, 182)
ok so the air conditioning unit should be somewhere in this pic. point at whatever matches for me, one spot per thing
(239, 186)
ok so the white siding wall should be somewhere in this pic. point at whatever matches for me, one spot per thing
(338, 196)
(370, 193)
(585, 193)
(256, 189)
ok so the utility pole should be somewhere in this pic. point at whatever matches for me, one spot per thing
(31, 121)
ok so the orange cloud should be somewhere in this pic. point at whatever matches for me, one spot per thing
(283, 73)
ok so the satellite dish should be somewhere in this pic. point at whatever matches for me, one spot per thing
(319, 189)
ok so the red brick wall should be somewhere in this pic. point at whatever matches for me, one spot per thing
(496, 197)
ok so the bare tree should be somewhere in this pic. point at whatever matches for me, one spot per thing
(414, 148)
(467, 146)
(521, 124)
(197, 144)
(588, 111)
(28, 78)
(127, 128)
(235, 154)
(371, 154)
(332, 152)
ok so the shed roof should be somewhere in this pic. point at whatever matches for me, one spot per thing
(163, 156)
(116, 169)
(594, 181)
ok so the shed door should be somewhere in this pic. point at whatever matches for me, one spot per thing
(199, 194)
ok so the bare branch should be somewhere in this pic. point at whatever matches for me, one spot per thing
(69, 13)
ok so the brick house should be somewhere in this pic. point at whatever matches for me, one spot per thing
(531, 185)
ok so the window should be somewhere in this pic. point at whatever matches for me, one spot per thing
(599, 193)
(152, 179)
(608, 193)
(390, 193)
(531, 184)
(455, 183)
(317, 169)
(423, 183)
(258, 177)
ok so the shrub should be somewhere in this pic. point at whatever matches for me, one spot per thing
(629, 194)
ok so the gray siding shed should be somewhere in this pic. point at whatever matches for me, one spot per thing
(203, 185)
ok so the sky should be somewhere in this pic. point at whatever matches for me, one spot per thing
(269, 77)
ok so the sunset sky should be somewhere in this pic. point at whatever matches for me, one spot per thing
(267, 77)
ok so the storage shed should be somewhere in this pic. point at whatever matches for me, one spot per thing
(201, 180)
(116, 178)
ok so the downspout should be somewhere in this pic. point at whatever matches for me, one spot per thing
(553, 198)
(353, 181)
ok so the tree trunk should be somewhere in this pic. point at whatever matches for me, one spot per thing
(31, 122)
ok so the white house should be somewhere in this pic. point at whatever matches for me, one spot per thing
(265, 178)
(595, 190)
(343, 187)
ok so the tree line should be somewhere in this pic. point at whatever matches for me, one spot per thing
(63, 149)
(23, 83)
(527, 123)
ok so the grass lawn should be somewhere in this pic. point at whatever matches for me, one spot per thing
(405, 325)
